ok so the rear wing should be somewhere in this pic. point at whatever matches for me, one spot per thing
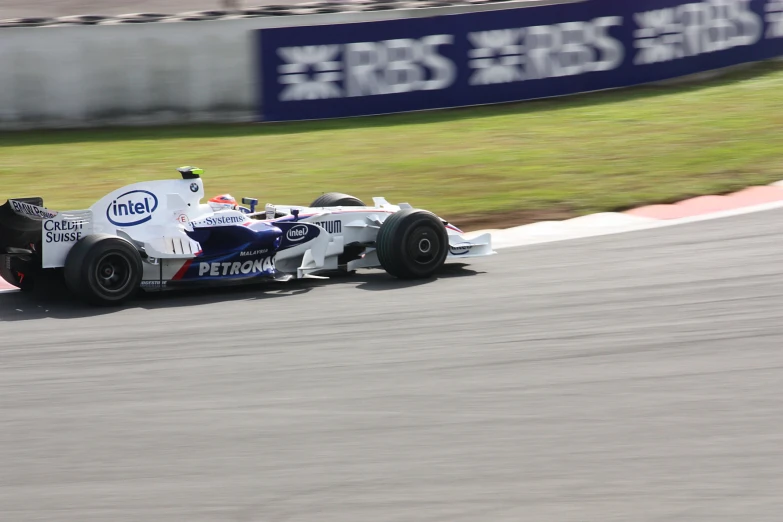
(21, 224)
(61, 232)
(26, 226)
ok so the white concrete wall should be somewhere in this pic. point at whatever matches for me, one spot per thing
(146, 73)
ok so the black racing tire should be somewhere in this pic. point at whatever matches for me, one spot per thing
(103, 270)
(337, 199)
(412, 244)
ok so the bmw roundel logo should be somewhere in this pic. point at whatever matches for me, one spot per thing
(194, 187)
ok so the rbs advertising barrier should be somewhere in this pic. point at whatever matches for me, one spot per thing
(500, 56)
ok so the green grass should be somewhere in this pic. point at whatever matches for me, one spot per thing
(568, 156)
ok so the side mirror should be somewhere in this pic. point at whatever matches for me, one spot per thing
(252, 202)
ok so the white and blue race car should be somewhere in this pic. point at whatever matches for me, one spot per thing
(158, 235)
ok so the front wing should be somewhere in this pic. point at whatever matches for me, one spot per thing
(461, 248)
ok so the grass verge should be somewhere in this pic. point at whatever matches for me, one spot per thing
(486, 166)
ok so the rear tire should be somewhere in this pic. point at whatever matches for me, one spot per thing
(337, 199)
(103, 270)
(412, 244)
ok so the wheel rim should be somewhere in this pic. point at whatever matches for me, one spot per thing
(423, 246)
(113, 273)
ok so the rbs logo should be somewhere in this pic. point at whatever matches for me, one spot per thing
(132, 208)
(544, 51)
(313, 72)
(696, 28)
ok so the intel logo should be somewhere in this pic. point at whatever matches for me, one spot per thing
(460, 249)
(132, 208)
(297, 233)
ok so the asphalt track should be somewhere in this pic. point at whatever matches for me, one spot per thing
(633, 377)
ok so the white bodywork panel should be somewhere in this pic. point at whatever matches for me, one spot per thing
(152, 214)
(61, 232)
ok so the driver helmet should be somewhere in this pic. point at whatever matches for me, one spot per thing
(223, 202)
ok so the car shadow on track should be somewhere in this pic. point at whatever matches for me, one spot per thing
(58, 304)
(379, 281)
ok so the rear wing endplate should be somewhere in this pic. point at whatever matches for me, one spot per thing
(61, 232)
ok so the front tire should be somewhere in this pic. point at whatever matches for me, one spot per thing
(103, 270)
(337, 199)
(412, 244)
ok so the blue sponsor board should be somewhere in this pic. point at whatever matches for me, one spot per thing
(392, 66)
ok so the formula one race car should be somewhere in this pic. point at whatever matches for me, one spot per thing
(158, 235)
